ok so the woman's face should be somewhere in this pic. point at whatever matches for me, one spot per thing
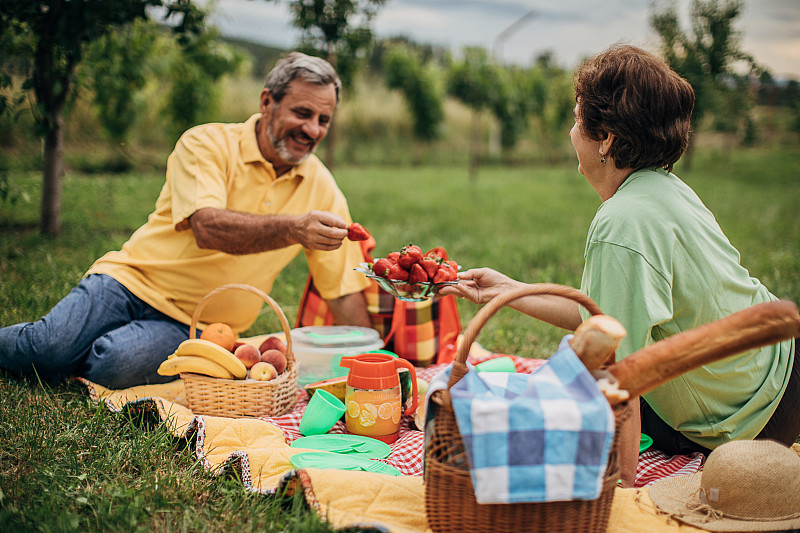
(588, 150)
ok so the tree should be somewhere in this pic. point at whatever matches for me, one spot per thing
(405, 70)
(471, 81)
(338, 31)
(53, 34)
(115, 66)
(193, 92)
(705, 57)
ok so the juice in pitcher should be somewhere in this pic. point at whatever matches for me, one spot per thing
(373, 398)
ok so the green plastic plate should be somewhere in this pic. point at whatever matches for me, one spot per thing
(346, 444)
(340, 461)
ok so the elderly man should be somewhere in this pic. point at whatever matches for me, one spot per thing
(239, 203)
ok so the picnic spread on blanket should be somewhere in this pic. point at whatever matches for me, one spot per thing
(459, 448)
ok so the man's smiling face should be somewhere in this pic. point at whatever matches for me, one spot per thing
(290, 130)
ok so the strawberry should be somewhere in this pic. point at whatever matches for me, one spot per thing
(394, 257)
(445, 273)
(437, 252)
(409, 255)
(453, 265)
(357, 232)
(398, 273)
(417, 274)
(382, 267)
(430, 265)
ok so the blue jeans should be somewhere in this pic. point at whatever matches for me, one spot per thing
(99, 331)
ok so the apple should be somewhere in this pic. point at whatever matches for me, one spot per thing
(263, 371)
(247, 354)
(275, 358)
(272, 343)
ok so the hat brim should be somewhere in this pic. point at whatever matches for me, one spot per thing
(678, 496)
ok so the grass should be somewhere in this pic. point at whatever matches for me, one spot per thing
(68, 464)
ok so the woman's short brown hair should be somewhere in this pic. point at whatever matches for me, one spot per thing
(638, 98)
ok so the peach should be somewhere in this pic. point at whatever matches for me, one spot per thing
(247, 354)
(275, 358)
(272, 343)
(262, 371)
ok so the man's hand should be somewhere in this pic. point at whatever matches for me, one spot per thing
(320, 230)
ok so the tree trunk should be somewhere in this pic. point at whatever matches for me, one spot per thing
(50, 223)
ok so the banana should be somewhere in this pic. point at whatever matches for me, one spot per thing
(215, 353)
(192, 363)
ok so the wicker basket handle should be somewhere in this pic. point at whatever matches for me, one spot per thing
(460, 369)
(249, 288)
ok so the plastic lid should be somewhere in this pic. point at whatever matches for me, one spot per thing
(374, 371)
(335, 336)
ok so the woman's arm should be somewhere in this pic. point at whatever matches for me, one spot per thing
(482, 284)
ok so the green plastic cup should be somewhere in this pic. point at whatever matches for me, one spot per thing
(498, 364)
(322, 412)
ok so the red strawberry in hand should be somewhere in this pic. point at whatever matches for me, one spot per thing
(417, 274)
(410, 255)
(393, 257)
(357, 232)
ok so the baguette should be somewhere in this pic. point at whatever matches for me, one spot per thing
(759, 325)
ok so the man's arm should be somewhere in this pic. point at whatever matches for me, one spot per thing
(243, 233)
(351, 310)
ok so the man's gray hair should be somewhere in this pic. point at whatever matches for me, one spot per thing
(297, 65)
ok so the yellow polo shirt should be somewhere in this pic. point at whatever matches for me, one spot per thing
(220, 165)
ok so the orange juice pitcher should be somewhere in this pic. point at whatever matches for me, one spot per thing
(373, 396)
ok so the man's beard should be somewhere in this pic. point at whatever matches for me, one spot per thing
(283, 151)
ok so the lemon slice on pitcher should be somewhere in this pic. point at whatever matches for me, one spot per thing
(385, 410)
(353, 409)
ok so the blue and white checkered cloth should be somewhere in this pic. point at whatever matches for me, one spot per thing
(537, 437)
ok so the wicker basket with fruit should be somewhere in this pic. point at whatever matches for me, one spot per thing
(223, 377)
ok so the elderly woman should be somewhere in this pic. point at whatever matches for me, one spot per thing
(656, 260)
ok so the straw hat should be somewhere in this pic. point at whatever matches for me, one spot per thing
(744, 486)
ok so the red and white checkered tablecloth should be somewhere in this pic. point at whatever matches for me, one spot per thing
(407, 453)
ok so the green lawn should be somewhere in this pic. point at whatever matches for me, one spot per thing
(67, 464)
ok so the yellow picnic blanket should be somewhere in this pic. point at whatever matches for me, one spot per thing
(258, 450)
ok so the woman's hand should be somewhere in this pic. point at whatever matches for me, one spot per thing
(479, 285)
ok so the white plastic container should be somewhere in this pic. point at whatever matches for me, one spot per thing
(315, 346)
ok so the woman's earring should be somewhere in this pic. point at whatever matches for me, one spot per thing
(602, 158)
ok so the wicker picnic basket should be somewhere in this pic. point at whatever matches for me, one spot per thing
(242, 397)
(450, 503)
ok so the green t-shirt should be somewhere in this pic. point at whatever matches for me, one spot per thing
(657, 261)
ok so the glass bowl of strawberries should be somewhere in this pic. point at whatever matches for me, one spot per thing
(411, 275)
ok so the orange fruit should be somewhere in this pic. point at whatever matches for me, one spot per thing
(396, 413)
(221, 334)
(353, 409)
